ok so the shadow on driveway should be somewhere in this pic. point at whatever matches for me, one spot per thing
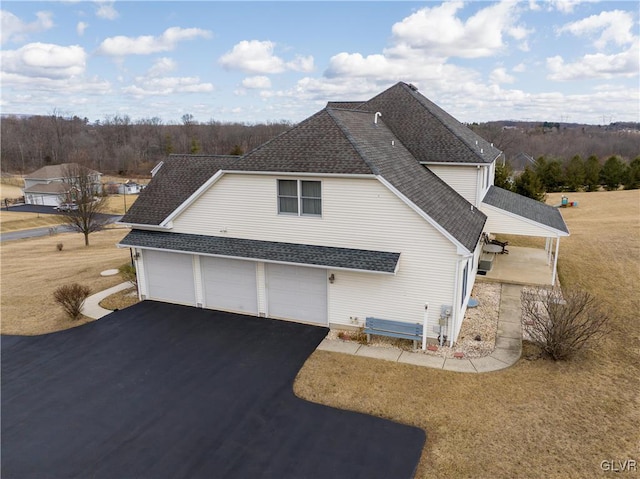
(165, 391)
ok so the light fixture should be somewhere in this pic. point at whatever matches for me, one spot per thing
(332, 278)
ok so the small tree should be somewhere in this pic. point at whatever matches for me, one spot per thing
(592, 173)
(503, 178)
(528, 184)
(84, 187)
(128, 273)
(574, 173)
(632, 177)
(561, 324)
(613, 173)
(72, 297)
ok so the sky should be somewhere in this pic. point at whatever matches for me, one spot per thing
(250, 62)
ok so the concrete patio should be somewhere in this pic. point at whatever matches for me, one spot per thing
(524, 266)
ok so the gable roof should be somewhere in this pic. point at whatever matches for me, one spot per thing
(316, 145)
(178, 178)
(55, 172)
(387, 157)
(525, 207)
(53, 188)
(431, 134)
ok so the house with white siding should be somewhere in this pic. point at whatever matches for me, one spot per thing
(365, 209)
(53, 184)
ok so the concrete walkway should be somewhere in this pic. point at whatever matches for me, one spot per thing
(91, 307)
(507, 351)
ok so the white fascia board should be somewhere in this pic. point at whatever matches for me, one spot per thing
(452, 163)
(138, 226)
(524, 220)
(260, 260)
(461, 250)
(168, 221)
(314, 175)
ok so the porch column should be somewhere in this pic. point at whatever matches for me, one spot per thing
(555, 263)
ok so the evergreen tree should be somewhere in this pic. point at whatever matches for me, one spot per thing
(632, 178)
(504, 176)
(613, 173)
(528, 184)
(592, 173)
(574, 173)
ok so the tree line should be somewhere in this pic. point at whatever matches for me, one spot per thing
(547, 175)
(119, 145)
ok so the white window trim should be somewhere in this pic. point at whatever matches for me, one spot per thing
(299, 197)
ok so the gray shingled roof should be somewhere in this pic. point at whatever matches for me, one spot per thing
(53, 188)
(179, 177)
(346, 258)
(429, 133)
(525, 207)
(55, 172)
(388, 157)
(313, 146)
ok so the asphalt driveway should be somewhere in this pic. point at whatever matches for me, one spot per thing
(167, 391)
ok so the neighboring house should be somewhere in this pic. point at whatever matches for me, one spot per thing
(129, 188)
(51, 185)
(364, 209)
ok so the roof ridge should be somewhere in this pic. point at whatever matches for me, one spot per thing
(349, 137)
(420, 97)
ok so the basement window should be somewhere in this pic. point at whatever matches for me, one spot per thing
(299, 197)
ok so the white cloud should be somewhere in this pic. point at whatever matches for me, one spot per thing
(106, 10)
(520, 68)
(45, 60)
(255, 56)
(438, 31)
(608, 27)
(147, 44)
(256, 83)
(146, 86)
(566, 6)
(81, 27)
(500, 75)
(599, 65)
(162, 66)
(14, 29)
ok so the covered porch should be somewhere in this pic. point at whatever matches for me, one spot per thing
(512, 214)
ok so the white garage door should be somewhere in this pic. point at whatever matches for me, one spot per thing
(298, 293)
(229, 284)
(170, 277)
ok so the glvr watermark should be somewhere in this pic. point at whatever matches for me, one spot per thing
(612, 465)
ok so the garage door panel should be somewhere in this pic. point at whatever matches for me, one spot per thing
(230, 284)
(170, 276)
(296, 292)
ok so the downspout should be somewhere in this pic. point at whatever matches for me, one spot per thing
(455, 313)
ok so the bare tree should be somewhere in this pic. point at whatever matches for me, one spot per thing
(85, 204)
(562, 323)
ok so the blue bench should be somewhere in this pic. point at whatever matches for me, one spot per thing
(394, 329)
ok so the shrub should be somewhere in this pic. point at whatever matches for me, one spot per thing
(59, 246)
(71, 297)
(562, 324)
(128, 273)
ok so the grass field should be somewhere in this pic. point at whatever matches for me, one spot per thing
(32, 269)
(536, 419)
(14, 221)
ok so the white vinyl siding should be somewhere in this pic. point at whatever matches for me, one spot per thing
(500, 221)
(466, 180)
(357, 213)
(169, 277)
(297, 292)
(229, 284)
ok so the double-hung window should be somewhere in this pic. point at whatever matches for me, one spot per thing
(300, 197)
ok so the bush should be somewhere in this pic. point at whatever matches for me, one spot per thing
(71, 297)
(128, 273)
(562, 324)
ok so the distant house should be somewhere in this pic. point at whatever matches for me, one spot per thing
(51, 185)
(365, 209)
(129, 188)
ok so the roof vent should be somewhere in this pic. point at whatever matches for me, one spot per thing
(413, 87)
(375, 117)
